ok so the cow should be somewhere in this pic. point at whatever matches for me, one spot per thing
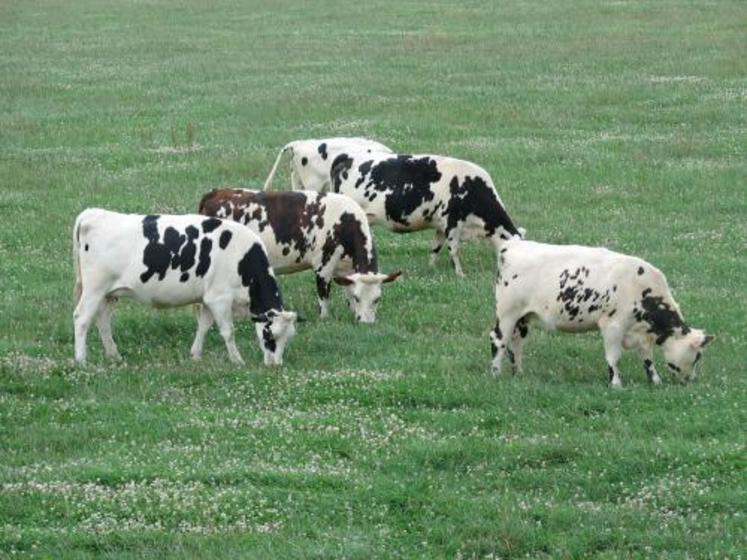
(169, 261)
(325, 232)
(574, 289)
(311, 160)
(415, 192)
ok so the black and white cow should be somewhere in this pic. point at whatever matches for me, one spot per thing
(311, 160)
(571, 288)
(327, 233)
(169, 261)
(415, 192)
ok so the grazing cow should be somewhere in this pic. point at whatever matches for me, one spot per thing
(311, 160)
(410, 193)
(574, 289)
(168, 261)
(322, 231)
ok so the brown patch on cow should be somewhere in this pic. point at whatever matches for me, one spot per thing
(291, 215)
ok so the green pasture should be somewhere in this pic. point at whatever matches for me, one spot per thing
(615, 123)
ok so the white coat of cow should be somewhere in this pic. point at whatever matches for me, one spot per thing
(170, 261)
(325, 232)
(311, 160)
(414, 192)
(572, 288)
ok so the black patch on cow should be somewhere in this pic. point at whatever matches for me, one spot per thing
(176, 251)
(150, 227)
(648, 365)
(322, 287)
(575, 295)
(264, 293)
(173, 241)
(674, 367)
(349, 234)
(640, 270)
(405, 182)
(187, 256)
(661, 318)
(611, 313)
(611, 371)
(497, 329)
(322, 149)
(205, 247)
(304, 160)
(86, 247)
(364, 169)
(493, 348)
(474, 197)
(210, 224)
(339, 170)
(225, 239)
(523, 327)
(156, 256)
(268, 339)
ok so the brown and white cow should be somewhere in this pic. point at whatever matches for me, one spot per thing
(327, 233)
(311, 160)
(170, 261)
(573, 289)
(415, 192)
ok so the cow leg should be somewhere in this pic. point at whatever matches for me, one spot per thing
(223, 314)
(499, 341)
(84, 314)
(104, 324)
(436, 245)
(612, 351)
(322, 291)
(204, 322)
(452, 240)
(647, 353)
(516, 347)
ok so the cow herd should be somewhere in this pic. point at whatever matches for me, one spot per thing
(225, 258)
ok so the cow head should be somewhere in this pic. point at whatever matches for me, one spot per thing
(363, 291)
(274, 331)
(682, 351)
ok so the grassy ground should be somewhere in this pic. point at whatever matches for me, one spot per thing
(614, 123)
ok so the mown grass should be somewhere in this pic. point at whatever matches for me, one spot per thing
(613, 123)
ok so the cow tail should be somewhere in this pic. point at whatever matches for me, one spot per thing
(78, 289)
(268, 181)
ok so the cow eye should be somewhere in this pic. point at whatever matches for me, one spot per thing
(357, 299)
(377, 300)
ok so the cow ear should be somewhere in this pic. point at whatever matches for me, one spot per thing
(391, 277)
(707, 339)
(260, 318)
(343, 280)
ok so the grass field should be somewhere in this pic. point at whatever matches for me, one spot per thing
(609, 123)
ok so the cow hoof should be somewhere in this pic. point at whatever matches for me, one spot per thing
(656, 380)
(616, 385)
(196, 357)
(116, 357)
